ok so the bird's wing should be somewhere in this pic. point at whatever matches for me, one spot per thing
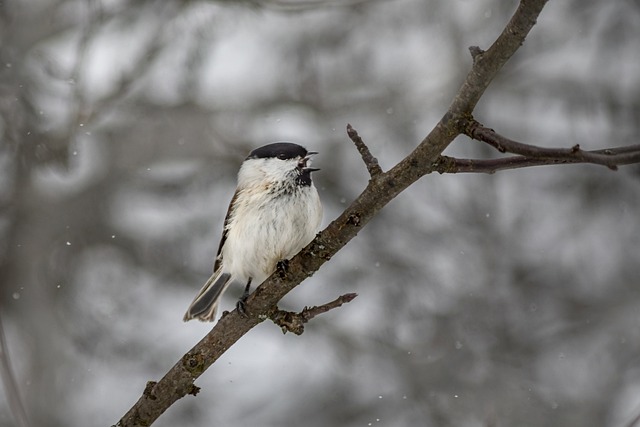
(225, 232)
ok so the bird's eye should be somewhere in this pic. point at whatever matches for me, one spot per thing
(282, 156)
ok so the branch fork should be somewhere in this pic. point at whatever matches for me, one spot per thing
(527, 155)
(294, 322)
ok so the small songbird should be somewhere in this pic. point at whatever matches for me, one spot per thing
(275, 212)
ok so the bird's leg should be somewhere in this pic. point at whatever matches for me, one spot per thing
(242, 302)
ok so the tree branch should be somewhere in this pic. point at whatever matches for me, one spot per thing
(381, 189)
(294, 322)
(370, 162)
(617, 157)
(575, 154)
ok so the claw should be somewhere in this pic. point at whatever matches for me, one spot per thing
(241, 305)
(282, 267)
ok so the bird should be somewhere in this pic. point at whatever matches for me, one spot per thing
(275, 212)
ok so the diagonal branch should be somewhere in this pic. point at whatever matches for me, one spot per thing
(381, 189)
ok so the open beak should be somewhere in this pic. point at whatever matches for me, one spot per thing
(306, 159)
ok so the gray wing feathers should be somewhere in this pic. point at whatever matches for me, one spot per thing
(204, 305)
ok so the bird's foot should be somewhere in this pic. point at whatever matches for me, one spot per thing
(282, 267)
(241, 305)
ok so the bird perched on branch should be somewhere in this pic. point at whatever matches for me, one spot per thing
(274, 213)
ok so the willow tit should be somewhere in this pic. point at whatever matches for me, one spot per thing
(274, 213)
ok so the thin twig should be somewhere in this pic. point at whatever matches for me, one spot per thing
(575, 154)
(294, 322)
(619, 156)
(475, 52)
(371, 162)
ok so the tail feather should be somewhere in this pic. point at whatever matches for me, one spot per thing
(205, 303)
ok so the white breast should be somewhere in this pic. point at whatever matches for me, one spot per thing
(267, 226)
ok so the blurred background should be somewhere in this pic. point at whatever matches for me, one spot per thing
(485, 300)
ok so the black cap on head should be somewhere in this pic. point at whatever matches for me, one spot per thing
(280, 150)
